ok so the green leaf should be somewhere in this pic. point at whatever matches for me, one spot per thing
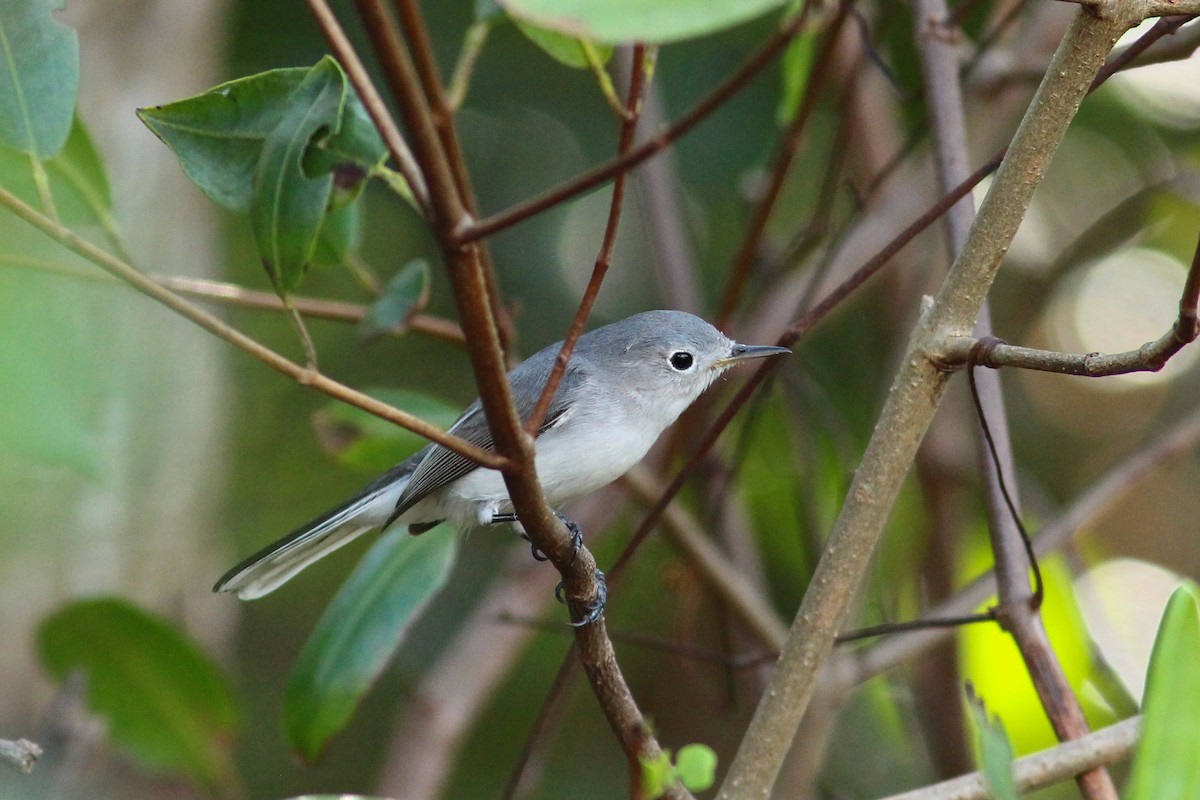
(77, 179)
(1166, 763)
(796, 65)
(696, 765)
(405, 292)
(287, 203)
(39, 76)
(657, 775)
(487, 10)
(366, 442)
(651, 21)
(360, 630)
(161, 697)
(995, 752)
(340, 234)
(566, 50)
(218, 136)
(352, 154)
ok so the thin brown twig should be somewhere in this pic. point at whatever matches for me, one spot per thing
(541, 724)
(312, 307)
(789, 147)
(412, 23)
(306, 377)
(604, 257)
(597, 175)
(376, 108)
(1150, 357)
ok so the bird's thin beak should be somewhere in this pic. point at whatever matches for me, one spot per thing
(745, 352)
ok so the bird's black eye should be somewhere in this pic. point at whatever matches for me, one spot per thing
(682, 360)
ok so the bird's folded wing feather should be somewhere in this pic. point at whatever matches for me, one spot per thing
(442, 467)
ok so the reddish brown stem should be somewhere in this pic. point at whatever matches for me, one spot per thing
(599, 174)
(789, 146)
(604, 257)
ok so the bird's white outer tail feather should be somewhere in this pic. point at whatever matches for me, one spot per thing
(268, 569)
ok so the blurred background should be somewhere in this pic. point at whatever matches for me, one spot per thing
(140, 458)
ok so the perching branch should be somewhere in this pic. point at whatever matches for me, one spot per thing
(469, 283)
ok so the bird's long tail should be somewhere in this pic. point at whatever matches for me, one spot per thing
(279, 561)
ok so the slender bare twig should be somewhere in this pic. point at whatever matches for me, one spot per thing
(147, 286)
(599, 174)
(20, 754)
(312, 307)
(352, 64)
(1150, 357)
(1018, 609)
(629, 123)
(789, 146)
(1105, 746)
(442, 111)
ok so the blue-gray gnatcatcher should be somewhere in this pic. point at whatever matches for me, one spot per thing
(625, 383)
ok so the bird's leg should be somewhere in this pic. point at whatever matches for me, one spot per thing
(594, 610)
(572, 527)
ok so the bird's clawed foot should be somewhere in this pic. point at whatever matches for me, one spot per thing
(572, 527)
(595, 610)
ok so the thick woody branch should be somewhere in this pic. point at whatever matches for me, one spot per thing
(911, 403)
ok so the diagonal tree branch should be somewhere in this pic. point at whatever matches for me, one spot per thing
(915, 395)
(307, 377)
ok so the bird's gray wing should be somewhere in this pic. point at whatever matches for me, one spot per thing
(442, 467)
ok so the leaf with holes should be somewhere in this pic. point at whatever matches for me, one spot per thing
(288, 203)
(218, 135)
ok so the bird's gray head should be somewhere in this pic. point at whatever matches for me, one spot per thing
(664, 357)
